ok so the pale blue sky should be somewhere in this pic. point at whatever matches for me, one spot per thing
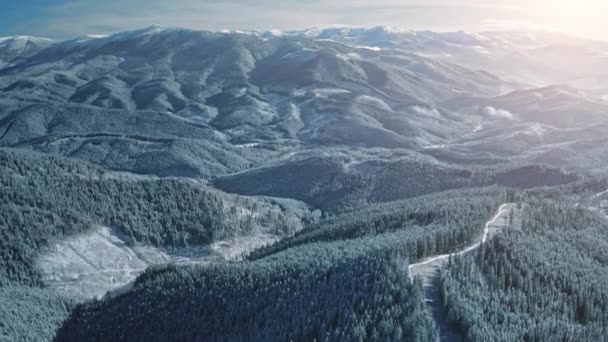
(62, 19)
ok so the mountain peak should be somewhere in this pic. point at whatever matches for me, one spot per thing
(4, 40)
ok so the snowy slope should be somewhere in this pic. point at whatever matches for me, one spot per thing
(18, 48)
(179, 102)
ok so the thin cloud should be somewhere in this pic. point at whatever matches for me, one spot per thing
(70, 18)
(498, 113)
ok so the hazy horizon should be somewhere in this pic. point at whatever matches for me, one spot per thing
(65, 19)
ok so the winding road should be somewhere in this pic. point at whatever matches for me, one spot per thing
(427, 270)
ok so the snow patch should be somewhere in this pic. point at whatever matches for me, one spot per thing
(26, 38)
(295, 113)
(536, 129)
(434, 146)
(426, 111)
(481, 49)
(317, 122)
(299, 92)
(374, 101)
(302, 55)
(327, 92)
(248, 145)
(372, 48)
(392, 29)
(90, 37)
(276, 32)
(240, 92)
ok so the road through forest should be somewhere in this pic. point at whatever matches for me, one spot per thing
(428, 269)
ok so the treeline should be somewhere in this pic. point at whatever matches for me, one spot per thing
(545, 283)
(339, 291)
(45, 198)
(449, 219)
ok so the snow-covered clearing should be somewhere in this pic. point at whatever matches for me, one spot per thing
(90, 265)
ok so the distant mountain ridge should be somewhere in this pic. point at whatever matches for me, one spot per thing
(235, 89)
(179, 102)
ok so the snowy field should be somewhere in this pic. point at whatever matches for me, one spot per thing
(89, 265)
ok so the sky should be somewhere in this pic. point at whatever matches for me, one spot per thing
(64, 19)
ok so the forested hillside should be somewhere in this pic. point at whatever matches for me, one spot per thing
(545, 282)
(47, 198)
(31, 313)
(50, 197)
(350, 291)
(341, 182)
(450, 219)
(343, 279)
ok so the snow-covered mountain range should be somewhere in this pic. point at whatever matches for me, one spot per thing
(179, 102)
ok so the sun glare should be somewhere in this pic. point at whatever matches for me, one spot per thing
(577, 8)
(576, 16)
